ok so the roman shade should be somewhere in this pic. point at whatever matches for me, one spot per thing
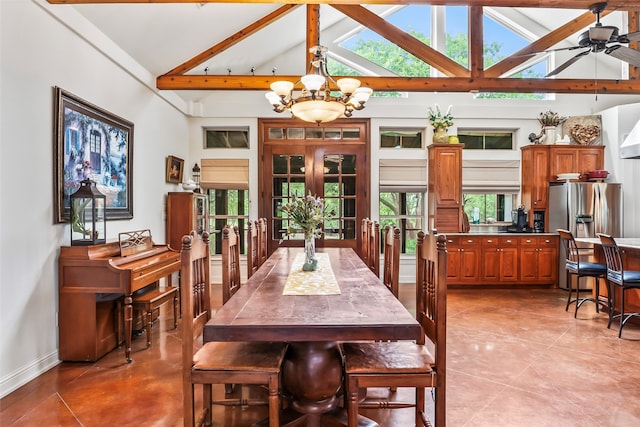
(490, 176)
(227, 174)
(408, 175)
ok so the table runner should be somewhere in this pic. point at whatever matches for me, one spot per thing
(322, 281)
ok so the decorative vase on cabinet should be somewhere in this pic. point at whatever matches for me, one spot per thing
(549, 134)
(440, 135)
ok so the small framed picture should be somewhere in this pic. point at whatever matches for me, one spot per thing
(175, 166)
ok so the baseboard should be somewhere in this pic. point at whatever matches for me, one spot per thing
(18, 378)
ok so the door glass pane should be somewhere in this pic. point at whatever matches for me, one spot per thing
(297, 165)
(280, 164)
(332, 133)
(349, 164)
(349, 185)
(276, 133)
(331, 187)
(349, 208)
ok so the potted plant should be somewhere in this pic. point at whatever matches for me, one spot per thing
(549, 120)
(440, 122)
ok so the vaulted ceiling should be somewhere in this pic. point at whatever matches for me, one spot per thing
(199, 45)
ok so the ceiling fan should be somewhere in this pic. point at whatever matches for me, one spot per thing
(602, 38)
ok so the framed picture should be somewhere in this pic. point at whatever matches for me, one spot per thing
(175, 166)
(91, 143)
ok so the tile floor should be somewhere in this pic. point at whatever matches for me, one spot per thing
(515, 358)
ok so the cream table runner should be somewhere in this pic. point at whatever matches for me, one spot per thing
(322, 281)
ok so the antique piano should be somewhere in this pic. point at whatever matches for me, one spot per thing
(93, 280)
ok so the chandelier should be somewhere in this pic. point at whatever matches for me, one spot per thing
(315, 102)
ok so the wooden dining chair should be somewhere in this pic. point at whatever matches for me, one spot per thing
(373, 247)
(619, 276)
(218, 362)
(364, 240)
(263, 241)
(404, 363)
(391, 257)
(253, 248)
(230, 262)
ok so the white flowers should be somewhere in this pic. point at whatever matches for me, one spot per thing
(437, 119)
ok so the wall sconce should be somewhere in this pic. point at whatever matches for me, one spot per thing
(195, 173)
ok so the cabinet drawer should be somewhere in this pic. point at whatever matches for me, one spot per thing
(547, 241)
(490, 241)
(507, 242)
(528, 241)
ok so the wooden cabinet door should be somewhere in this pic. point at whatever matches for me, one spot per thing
(508, 264)
(540, 188)
(563, 160)
(448, 169)
(490, 260)
(590, 159)
(470, 260)
(547, 260)
(528, 255)
(453, 260)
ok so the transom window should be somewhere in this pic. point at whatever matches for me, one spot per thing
(401, 138)
(486, 139)
(226, 138)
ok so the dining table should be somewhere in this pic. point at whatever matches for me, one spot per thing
(343, 300)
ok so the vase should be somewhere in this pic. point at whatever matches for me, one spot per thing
(549, 134)
(440, 135)
(310, 261)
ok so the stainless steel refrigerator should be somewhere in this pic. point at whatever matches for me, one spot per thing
(585, 208)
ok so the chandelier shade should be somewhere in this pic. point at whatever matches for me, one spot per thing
(315, 102)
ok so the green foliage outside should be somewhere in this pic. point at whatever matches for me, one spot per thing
(400, 62)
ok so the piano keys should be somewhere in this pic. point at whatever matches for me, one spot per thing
(91, 280)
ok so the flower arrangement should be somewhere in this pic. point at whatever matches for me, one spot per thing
(437, 119)
(308, 213)
(550, 118)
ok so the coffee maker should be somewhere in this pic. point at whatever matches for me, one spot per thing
(520, 221)
(538, 222)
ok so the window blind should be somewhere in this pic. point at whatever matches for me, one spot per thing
(403, 175)
(490, 175)
(225, 174)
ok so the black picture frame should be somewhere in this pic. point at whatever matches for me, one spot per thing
(90, 142)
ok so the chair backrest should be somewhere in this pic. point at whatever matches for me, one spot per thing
(364, 237)
(613, 256)
(391, 267)
(431, 306)
(230, 262)
(374, 247)
(263, 241)
(195, 296)
(253, 248)
(571, 251)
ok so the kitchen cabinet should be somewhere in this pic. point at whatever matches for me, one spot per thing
(541, 165)
(186, 211)
(445, 187)
(539, 260)
(463, 264)
(513, 259)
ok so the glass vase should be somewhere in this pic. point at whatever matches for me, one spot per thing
(310, 261)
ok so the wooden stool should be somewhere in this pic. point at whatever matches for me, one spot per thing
(153, 299)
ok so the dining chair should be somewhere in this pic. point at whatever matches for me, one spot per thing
(373, 250)
(230, 262)
(263, 241)
(617, 275)
(404, 363)
(391, 259)
(218, 362)
(576, 266)
(364, 240)
(253, 248)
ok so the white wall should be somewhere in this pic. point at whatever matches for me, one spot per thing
(40, 52)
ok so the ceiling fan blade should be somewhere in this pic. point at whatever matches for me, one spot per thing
(625, 54)
(550, 51)
(568, 63)
(631, 37)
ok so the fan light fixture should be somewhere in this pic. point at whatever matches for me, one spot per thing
(315, 103)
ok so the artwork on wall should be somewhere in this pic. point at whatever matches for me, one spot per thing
(583, 130)
(175, 167)
(91, 143)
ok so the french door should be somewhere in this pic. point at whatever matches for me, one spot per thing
(329, 161)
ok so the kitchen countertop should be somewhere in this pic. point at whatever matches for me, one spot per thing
(500, 233)
(623, 242)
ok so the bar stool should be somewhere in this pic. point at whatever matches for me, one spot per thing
(617, 275)
(575, 267)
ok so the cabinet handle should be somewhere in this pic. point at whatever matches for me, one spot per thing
(509, 241)
(528, 240)
(489, 241)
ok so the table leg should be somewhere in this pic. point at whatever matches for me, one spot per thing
(312, 376)
(128, 326)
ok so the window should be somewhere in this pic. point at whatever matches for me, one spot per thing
(488, 208)
(404, 210)
(95, 150)
(486, 139)
(401, 138)
(226, 138)
(228, 207)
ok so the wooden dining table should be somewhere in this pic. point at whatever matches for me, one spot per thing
(313, 324)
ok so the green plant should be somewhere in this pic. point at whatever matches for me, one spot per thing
(550, 118)
(437, 119)
(308, 213)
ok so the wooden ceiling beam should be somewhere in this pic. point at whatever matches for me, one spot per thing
(403, 40)
(414, 84)
(628, 5)
(476, 42)
(232, 40)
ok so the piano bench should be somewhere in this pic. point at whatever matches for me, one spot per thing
(148, 301)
